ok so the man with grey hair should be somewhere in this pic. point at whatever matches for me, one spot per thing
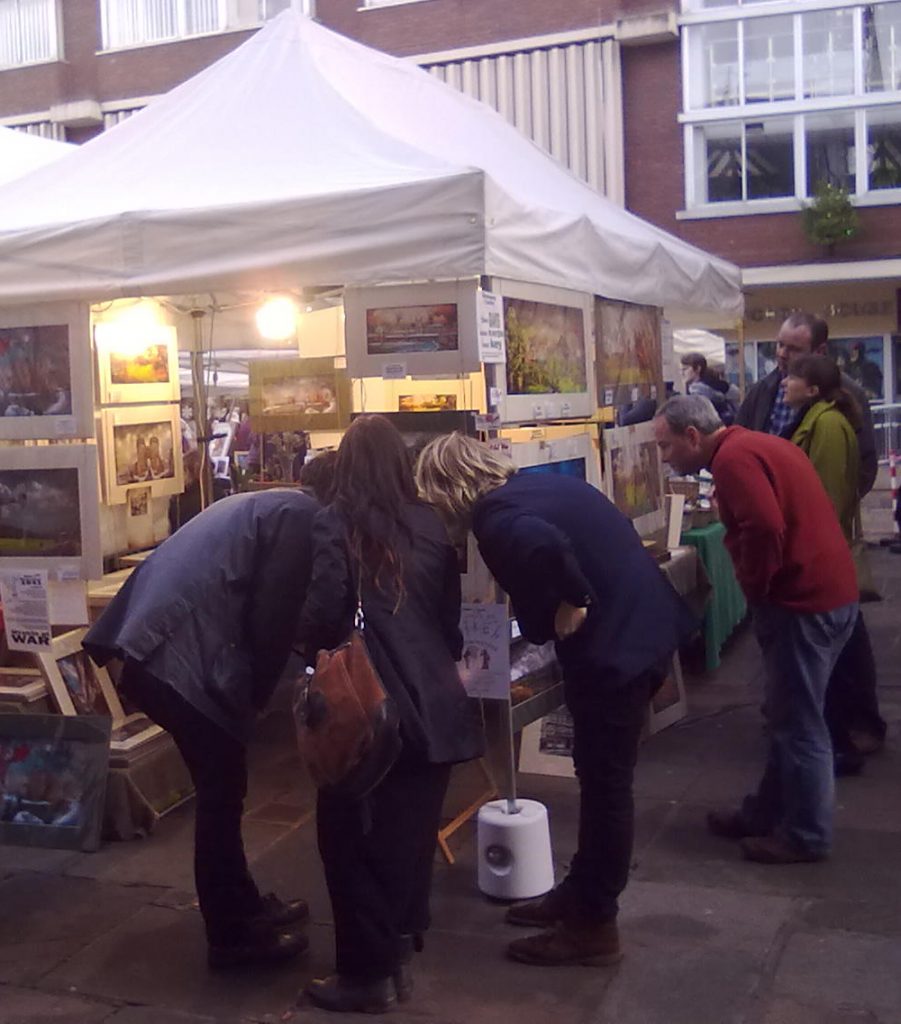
(795, 568)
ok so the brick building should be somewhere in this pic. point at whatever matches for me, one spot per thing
(715, 119)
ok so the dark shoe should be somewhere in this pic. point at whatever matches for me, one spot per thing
(591, 946)
(729, 825)
(403, 976)
(272, 948)
(773, 850)
(543, 912)
(345, 995)
(279, 914)
(846, 764)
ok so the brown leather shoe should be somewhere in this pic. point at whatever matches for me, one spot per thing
(267, 948)
(542, 912)
(591, 945)
(348, 995)
(774, 850)
(728, 825)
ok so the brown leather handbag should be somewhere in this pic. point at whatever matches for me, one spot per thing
(348, 729)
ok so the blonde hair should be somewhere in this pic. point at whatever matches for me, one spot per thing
(454, 471)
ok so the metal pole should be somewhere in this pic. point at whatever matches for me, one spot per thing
(201, 418)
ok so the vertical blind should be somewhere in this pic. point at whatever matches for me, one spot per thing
(133, 22)
(566, 98)
(28, 32)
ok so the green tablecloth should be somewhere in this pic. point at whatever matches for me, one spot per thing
(727, 606)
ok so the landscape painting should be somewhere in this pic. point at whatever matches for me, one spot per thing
(398, 329)
(426, 403)
(40, 513)
(545, 348)
(634, 478)
(629, 359)
(298, 394)
(136, 365)
(149, 366)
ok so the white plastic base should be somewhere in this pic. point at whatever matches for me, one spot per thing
(515, 861)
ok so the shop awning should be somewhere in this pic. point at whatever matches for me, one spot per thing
(303, 158)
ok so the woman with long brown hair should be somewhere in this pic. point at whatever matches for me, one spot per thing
(379, 542)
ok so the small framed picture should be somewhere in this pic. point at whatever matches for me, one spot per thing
(298, 394)
(142, 445)
(136, 370)
(21, 687)
(547, 746)
(46, 390)
(669, 703)
(53, 771)
(77, 685)
(222, 435)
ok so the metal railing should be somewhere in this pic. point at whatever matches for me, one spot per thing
(887, 428)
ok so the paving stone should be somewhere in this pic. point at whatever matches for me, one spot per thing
(157, 1015)
(787, 1011)
(842, 969)
(880, 914)
(26, 1006)
(47, 919)
(14, 859)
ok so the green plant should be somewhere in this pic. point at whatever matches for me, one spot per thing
(830, 218)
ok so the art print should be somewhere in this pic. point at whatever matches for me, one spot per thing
(136, 368)
(634, 477)
(426, 403)
(545, 348)
(142, 446)
(861, 359)
(45, 388)
(53, 773)
(77, 685)
(629, 354)
(398, 329)
(547, 746)
(298, 394)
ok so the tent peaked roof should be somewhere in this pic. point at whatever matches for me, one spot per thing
(21, 153)
(303, 157)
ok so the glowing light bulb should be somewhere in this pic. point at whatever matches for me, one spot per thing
(277, 318)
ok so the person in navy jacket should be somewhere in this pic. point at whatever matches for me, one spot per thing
(576, 573)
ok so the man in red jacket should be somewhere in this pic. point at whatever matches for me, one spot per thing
(795, 568)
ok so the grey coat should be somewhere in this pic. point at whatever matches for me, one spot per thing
(213, 611)
(755, 413)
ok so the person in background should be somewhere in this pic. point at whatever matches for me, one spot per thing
(795, 567)
(205, 627)
(318, 475)
(698, 380)
(826, 433)
(576, 573)
(765, 408)
(379, 544)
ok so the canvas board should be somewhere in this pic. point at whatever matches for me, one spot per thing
(629, 352)
(299, 394)
(141, 447)
(633, 475)
(77, 685)
(53, 771)
(49, 509)
(136, 370)
(548, 336)
(46, 390)
(577, 456)
(421, 330)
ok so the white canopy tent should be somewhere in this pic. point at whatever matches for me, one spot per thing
(305, 159)
(21, 153)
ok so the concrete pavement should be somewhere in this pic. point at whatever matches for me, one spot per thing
(114, 937)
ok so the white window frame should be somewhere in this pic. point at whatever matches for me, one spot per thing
(107, 18)
(374, 5)
(55, 40)
(693, 119)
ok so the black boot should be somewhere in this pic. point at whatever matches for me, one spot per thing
(403, 976)
(350, 995)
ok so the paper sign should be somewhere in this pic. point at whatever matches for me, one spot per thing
(500, 444)
(485, 665)
(26, 610)
(68, 602)
(491, 328)
(608, 396)
(487, 421)
(394, 371)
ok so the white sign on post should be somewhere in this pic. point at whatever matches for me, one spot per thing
(26, 609)
(485, 665)
(491, 328)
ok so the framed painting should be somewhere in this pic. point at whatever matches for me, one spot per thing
(141, 446)
(49, 509)
(577, 456)
(53, 771)
(426, 403)
(634, 476)
(77, 685)
(22, 687)
(45, 376)
(547, 333)
(422, 330)
(669, 704)
(136, 369)
(629, 352)
(298, 394)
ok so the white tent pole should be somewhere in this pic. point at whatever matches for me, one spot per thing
(201, 414)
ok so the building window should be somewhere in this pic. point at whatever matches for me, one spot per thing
(28, 32)
(779, 100)
(139, 22)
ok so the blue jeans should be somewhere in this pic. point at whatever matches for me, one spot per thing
(795, 796)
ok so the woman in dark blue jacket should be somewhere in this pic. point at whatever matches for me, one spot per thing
(378, 541)
(576, 573)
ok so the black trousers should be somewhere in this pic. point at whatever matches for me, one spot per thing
(607, 726)
(227, 894)
(378, 856)
(851, 701)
